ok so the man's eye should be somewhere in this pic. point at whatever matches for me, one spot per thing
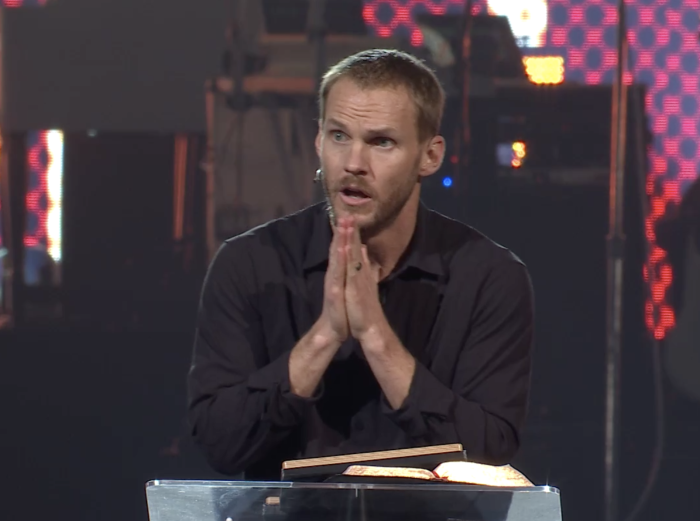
(383, 142)
(338, 136)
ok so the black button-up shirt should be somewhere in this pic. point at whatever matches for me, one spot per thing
(459, 303)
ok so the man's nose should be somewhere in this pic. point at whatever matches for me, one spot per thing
(356, 161)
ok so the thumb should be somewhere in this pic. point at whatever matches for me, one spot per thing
(365, 256)
(366, 262)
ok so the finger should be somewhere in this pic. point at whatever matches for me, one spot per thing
(337, 226)
(368, 264)
(337, 257)
(355, 249)
(341, 255)
(351, 258)
(366, 261)
(365, 256)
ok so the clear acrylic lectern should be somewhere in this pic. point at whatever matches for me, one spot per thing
(280, 501)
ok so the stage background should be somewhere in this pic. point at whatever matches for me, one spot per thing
(93, 411)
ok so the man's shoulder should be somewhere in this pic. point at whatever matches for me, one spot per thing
(464, 243)
(277, 233)
(281, 240)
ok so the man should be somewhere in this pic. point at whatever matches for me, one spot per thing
(368, 322)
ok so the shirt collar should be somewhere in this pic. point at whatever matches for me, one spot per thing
(423, 251)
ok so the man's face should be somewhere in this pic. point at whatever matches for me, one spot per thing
(370, 153)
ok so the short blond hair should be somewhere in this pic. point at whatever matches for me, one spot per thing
(377, 68)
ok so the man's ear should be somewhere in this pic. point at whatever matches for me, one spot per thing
(433, 156)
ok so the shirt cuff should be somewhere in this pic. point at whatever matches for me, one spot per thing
(284, 408)
(427, 396)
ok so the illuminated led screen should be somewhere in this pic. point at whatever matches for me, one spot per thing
(664, 56)
(42, 238)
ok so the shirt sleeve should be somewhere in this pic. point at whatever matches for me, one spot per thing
(485, 406)
(240, 404)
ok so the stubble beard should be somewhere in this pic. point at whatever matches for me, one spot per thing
(385, 212)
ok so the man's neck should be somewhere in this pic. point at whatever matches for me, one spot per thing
(387, 247)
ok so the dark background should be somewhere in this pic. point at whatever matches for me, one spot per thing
(127, 65)
(94, 406)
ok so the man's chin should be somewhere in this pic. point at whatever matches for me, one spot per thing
(364, 221)
(361, 220)
(361, 212)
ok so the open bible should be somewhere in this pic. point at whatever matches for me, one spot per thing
(451, 472)
(439, 463)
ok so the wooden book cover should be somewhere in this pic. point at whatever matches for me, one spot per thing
(417, 457)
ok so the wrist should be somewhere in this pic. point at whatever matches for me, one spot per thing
(376, 338)
(323, 338)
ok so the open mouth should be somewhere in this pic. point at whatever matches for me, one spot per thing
(354, 193)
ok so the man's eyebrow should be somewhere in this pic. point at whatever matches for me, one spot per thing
(331, 122)
(370, 133)
(381, 132)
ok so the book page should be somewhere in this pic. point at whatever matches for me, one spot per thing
(478, 474)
